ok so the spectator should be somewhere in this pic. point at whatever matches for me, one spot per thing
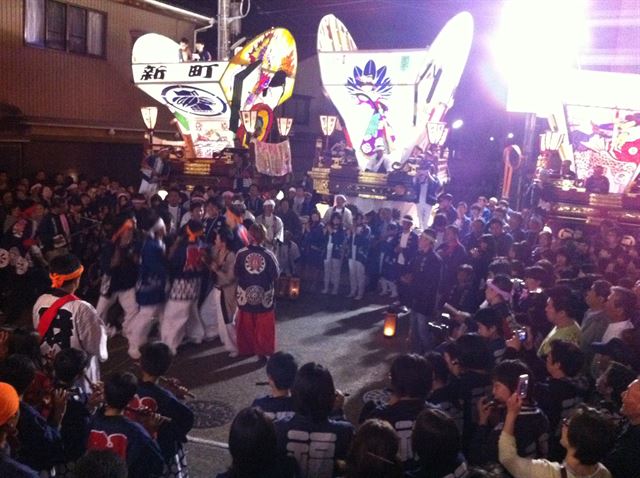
(101, 464)
(587, 436)
(490, 328)
(594, 322)
(374, 452)
(200, 54)
(560, 393)
(281, 373)
(436, 442)
(503, 239)
(253, 448)
(314, 399)
(411, 380)
(561, 312)
(531, 425)
(9, 413)
(111, 430)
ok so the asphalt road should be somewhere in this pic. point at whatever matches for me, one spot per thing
(344, 335)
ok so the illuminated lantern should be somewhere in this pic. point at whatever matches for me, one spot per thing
(390, 322)
(551, 141)
(284, 126)
(249, 118)
(294, 287)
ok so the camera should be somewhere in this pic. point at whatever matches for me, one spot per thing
(522, 334)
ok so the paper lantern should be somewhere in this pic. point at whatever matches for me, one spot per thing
(390, 322)
(284, 125)
(328, 124)
(149, 116)
(294, 287)
(249, 119)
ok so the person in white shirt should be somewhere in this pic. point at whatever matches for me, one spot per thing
(339, 207)
(587, 436)
(619, 308)
(64, 321)
(273, 224)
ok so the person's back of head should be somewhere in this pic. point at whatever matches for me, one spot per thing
(119, 389)
(281, 369)
(65, 270)
(252, 444)
(438, 365)
(374, 452)
(508, 373)
(435, 439)
(69, 364)
(155, 358)
(568, 355)
(100, 464)
(474, 353)
(18, 371)
(591, 434)
(411, 376)
(313, 392)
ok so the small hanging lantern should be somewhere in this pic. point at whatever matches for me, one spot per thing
(249, 119)
(294, 287)
(390, 322)
(284, 125)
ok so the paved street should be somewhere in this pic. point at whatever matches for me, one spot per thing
(344, 335)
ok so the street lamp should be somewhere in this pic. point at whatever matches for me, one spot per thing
(328, 124)
(149, 116)
(284, 125)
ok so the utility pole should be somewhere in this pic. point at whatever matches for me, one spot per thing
(224, 8)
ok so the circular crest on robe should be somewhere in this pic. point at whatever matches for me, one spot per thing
(255, 263)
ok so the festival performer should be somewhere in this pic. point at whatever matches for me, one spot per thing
(152, 396)
(273, 225)
(234, 216)
(334, 253)
(359, 239)
(151, 285)
(154, 168)
(64, 321)
(119, 265)
(339, 207)
(219, 308)
(257, 270)
(186, 268)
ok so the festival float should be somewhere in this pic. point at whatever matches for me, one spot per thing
(223, 110)
(594, 120)
(392, 102)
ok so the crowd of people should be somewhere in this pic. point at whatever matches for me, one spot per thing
(524, 341)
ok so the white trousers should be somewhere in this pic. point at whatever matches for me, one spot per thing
(332, 274)
(180, 318)
(424, 215)
(138, 331)
(126, 299)
(357, 278)
(209, 315)
(227, 332)
(390, 287)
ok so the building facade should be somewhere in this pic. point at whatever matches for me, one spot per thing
(67, 98)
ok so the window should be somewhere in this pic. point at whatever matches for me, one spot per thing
(58, 25)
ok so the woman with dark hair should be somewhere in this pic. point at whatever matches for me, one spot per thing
(310, 428)
(436, 442)
(253, 448)
(220, 305)
(374, 452)
(587, 436)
